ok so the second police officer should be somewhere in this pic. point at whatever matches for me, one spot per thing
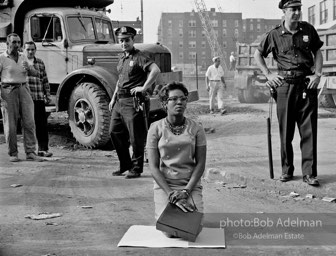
(137, 72)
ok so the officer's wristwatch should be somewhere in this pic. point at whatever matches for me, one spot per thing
(319, 74)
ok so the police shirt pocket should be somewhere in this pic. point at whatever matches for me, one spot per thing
(285, 48)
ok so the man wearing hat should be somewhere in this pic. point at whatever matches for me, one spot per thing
(295, 46)
(137, 72)
(215, 84)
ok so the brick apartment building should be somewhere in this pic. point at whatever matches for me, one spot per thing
(184, 35)
(320, 13)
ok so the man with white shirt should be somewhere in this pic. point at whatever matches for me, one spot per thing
(215, 84)
(16, 101)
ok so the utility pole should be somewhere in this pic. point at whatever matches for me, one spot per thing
(142, 27)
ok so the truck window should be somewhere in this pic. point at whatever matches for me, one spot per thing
(104, 30)
(80, 28)
(46, 28)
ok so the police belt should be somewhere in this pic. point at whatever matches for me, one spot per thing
(15, 85)
(293, 76)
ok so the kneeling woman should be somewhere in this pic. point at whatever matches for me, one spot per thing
(176, 148)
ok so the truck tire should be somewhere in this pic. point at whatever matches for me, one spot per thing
(241, 96)
(89, 116)
(327, 101)
(249, 95)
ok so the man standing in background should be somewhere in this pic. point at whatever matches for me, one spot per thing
(232, 62)
(16, 101)
(40, 92)
(215, 84)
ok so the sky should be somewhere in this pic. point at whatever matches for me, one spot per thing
(131, 9)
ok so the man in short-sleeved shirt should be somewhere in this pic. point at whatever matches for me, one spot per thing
(295, 46)
(16, 101)
(137, 72)
(215, 84)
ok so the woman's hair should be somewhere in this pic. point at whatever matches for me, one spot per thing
(164, 92)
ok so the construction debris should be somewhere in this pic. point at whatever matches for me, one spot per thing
(293, 194)
(86, 207)
(329, 199)
(16, 185)
(43, 216)
(311, 196)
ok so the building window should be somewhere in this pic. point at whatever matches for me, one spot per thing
(236, 23)
(214, 23)
(181, 55)
(265, 27)
(181, 32)
(224, 32)
(192, 33)
(192, 44)
(192, 55)
(170, 32)
(334, 9)
(192, 23)
(170, 23)
(203, 55)
(203, 44)
(251, 26)
(244, 28)
(203, 33)
(224, 23)
(181, 44)
(216, 33)
(181, 23)
(224, 44)
(323, 12)
(236, 33)
(251, 38)
(258, 27)
(311, 15)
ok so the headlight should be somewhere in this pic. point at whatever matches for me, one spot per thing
(91, 61)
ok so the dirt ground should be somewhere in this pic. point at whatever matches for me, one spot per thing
(97, 209)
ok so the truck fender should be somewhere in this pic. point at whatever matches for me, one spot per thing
(93, 74)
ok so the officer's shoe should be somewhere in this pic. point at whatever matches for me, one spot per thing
(286, 177)
(311, 180)
(132, 174)
(118, 173)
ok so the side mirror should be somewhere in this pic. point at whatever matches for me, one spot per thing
(66, 43)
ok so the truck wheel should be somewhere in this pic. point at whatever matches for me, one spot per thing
(249, 95)
(262, 98)
(89, 117)
(241, 97)
(327, 101)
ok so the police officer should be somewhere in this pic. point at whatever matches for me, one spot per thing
(295, 46)
(137, 72)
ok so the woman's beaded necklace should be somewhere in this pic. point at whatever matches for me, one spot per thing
(176, 129)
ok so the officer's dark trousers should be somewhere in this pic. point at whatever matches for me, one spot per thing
(128, 127)
(293, 108)
(41, 123)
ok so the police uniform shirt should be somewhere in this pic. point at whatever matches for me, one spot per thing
(133, 69)
(292, 51)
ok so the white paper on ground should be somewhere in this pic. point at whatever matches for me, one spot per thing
(148, 236)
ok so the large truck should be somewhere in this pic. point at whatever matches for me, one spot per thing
(250, 82)
(82, 71)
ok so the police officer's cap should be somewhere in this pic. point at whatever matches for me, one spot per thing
(289, 3)
(125, 32)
